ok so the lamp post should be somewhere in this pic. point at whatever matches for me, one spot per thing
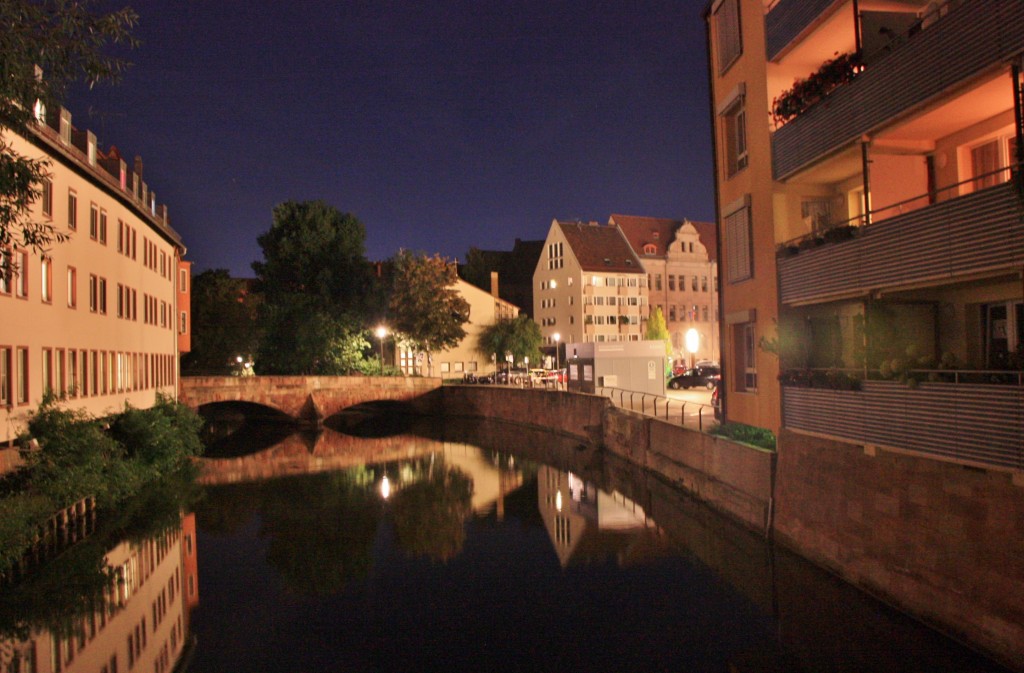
(558, 370)
(381, 332)
(692, 344)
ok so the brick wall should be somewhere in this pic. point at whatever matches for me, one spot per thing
(942, 541)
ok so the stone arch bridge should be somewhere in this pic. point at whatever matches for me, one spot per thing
(310, 399)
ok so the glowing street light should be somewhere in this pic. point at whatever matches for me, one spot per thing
(381, 332)
(692, 343)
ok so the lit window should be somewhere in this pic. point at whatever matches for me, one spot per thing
(72, 287)
(72, 210)
(46, 198)
(46, 279)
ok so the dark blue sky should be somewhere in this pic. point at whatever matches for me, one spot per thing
(441, 125)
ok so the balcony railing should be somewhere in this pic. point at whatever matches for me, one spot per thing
(970, 39)
(973, 424)
(975, 233)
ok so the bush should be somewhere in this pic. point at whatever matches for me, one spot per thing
(748, 434)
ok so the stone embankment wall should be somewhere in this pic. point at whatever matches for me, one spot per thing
(733, 478)
(943, 541)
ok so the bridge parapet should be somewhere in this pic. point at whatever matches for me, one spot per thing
(309, 398)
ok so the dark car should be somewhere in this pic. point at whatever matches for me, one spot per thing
(692, 378)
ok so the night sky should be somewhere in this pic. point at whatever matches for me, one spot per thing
(441, 125)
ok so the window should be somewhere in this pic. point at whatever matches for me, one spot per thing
(46, 279)
(816, 214)
(704, 313)
(21, 375)
(21, 280)
(650, 249)
(72, 373)
(182, 280)
(734, 125)
(703, 283)
(745, 350)
(60, 373)
(103, 227)
(102, 292)
(657, 281)
(94, 222)
(5, 376)
(47, 370)
(987, 160)
(93, 293)
(72, 210)
(72, 287)
(671, 312)
(46, 198)
(693, 283)
(672, 282)
(184, 323)
(727, 32)
(737, 243)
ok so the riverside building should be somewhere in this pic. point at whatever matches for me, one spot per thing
(100, 319)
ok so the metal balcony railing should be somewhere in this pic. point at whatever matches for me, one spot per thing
(974, 233)
(685, 414)
(968, 41)
(968, 423)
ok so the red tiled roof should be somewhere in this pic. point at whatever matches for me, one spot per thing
(599, 247)
(660, 231)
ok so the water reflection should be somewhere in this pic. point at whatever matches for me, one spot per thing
(104, 607)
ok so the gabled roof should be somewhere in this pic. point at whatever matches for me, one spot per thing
(600, 247)
(660, 232)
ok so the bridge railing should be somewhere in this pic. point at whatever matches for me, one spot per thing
(694, 415)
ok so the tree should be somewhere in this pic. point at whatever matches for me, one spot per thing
(314, 283)
(519, 336)
(223, 323)
(46, 45)
(657, 330)
(426, 309)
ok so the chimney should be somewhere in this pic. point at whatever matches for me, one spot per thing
(494, 284)
(137, 166)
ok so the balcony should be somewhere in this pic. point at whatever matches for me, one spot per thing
(946, 241)
(788, 19)
(971, 39)
(973, 424)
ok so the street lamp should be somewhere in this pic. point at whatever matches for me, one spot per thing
(381, 332)
(692, 343)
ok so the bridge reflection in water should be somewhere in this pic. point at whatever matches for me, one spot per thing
(483, 546)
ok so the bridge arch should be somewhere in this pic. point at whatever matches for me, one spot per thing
(310, 399)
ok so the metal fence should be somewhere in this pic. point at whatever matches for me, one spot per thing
(686, 414)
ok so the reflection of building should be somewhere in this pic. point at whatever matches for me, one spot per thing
(142, 625)
(585, 522)
(493, 479)
(102, 317)
(484, 310)
(681, 261)
(589, 286)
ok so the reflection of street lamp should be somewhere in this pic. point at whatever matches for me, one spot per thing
(557, 337)
(692, 343)
(385, 487)
(508, 359)
(381, 333)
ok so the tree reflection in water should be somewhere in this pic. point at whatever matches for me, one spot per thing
(429, 516)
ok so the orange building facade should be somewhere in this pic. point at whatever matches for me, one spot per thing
(100, 320)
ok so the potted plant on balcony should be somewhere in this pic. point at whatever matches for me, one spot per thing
(819, 84)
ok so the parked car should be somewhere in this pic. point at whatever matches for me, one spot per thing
(698, 376)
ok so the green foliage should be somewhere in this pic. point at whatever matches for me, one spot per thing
(426, 309)
(67, 41)
(159, 437)
(223, 323)
(429, 515)
(748, 434)
(520, 336)
(20, 515)
(316, 285)
(657, 329)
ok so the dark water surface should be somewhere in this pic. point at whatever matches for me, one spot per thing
(503, 549)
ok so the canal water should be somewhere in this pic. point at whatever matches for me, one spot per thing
(466, 547)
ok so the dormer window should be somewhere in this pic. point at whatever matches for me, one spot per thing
(650, 248)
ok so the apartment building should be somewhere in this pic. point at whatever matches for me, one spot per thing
(869, 197)
(589, 286)
(101, 318)
(485, 309)
(681, 261)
